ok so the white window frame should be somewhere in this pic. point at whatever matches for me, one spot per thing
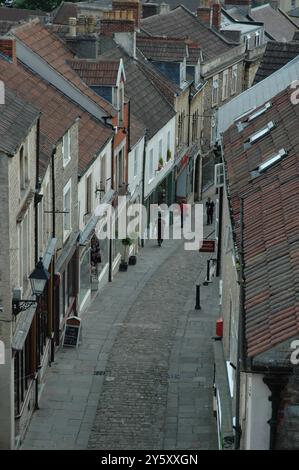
(257, 39)
(215, 90)
(103, 172)
(219, 175)
(135, 168)
(225, 85)
(234, 79)
(66, 189)
(151, 172)
(66, 148)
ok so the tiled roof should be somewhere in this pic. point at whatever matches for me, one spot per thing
(277, 24)
(102, 72)
(167, 87)
(65, 11)
(18, 14)
(271, 223)
(192, 5)
(137, 130)
(181, 23)
(162, 49)
(147, 103)
(16, 119)
(52, 49)
(58, 113)
(276, 55)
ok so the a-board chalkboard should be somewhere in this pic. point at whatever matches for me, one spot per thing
(72, 332)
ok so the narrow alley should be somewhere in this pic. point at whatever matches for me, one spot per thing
(143, 376)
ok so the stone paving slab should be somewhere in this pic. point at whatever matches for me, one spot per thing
(153, 359)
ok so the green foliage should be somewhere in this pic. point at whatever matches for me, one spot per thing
(45, 5)
(168, 155)
(127, 241)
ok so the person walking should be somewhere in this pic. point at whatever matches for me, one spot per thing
(184, 211)
(210, 210)
(160, 227)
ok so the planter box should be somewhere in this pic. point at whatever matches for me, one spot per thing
(123, 266)
(132, 260)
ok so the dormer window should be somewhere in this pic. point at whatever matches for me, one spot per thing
(258, 135)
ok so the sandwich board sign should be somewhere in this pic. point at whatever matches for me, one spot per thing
(72, 332)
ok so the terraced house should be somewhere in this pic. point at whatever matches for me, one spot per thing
(220, 67)
(257, 404)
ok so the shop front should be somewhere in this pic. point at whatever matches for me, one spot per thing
(184, 183)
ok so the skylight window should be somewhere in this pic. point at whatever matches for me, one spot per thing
(271, 161)
(258, 135)
(259, 112)
(276, 158)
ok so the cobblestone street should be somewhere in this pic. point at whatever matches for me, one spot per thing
(142, 377)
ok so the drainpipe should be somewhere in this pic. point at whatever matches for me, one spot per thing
(143, 181)
(37, 311)
(112, 187)
(55, 319)
(241, 342)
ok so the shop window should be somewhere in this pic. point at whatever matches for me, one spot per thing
(24, 372)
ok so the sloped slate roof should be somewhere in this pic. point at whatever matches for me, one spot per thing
(182, 23)
(276, 55)
(271, 223)
(148, 104)
(162, 48)
(277, 24)
(19, 14)
(65, 11)
(58, 113)
(192, 5)
(16, 119)
(53, 50)
(102, 72)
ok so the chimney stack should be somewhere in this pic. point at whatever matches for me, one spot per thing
(133, 6)
(82, 25)
(216, 15)
(117, 21)
(8, 48)
(72, 27)
(210, 13)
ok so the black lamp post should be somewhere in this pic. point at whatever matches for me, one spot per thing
(38, 279)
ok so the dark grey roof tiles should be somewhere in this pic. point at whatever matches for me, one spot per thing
(277, 54)
(16, 119)
(182, 23)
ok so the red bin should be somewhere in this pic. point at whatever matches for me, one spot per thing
(219, 327)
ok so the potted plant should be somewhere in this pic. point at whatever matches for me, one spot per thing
(168, 155)
(161, 163)
(124, 264)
